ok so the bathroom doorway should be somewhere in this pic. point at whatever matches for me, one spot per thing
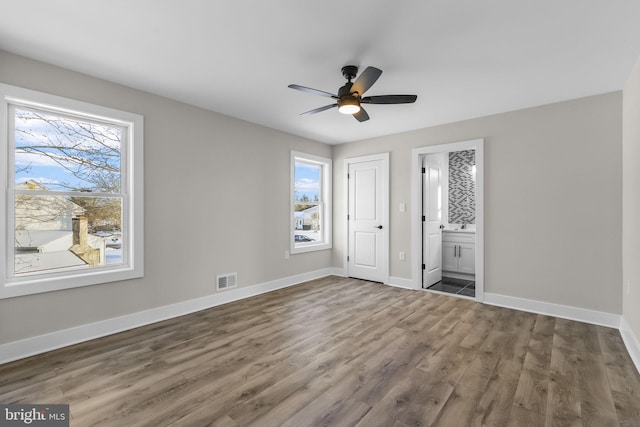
(449, 222)
(448, 228)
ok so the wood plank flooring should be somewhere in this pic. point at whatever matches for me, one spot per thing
(341, 352)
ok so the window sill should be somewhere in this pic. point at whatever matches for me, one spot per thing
(38, 284)
(310, 248)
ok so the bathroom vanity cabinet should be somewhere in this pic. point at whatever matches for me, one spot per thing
(459, 252)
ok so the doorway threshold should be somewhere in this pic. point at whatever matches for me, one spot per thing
(460, 287)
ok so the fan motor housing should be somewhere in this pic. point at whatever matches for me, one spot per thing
(349, 72)
(345, 91)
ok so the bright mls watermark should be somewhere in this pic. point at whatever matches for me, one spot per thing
(34, 415)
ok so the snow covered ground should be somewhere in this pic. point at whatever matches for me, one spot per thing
(114, 256)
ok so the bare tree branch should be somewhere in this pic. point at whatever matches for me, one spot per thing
(89, 152)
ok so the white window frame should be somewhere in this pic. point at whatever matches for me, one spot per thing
(325, 203)
(132, 195)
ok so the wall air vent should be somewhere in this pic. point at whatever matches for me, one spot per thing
(226, 281)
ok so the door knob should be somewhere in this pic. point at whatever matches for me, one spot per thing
(379, 227)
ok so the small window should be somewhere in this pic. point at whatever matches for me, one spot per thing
(310, 203)
(73, 201)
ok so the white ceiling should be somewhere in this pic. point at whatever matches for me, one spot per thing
(463, 58)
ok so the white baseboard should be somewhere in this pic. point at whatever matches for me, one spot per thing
(54, 340)
(400, 282)
(631, 342)
(563, 311)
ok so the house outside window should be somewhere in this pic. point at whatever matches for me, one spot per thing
(310, 203)
(73, 193)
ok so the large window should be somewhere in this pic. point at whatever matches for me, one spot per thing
(310, 202)
(73, 193)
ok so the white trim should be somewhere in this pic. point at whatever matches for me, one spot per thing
(384, 157)
(54, 340)
(416, 211)
(400, 282)
(557, 310)
(631, 342)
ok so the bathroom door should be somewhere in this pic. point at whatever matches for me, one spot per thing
(432, 220)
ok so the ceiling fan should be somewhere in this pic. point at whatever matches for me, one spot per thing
(349, 97)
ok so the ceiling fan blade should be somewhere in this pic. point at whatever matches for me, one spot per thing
(366, 80)
(313, 91)
(361, 115)
(317, 110)
(389, 99)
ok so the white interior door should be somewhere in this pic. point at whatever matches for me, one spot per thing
(368, 231)
(432, 225)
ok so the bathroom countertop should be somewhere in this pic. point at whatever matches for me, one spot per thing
(458, 230)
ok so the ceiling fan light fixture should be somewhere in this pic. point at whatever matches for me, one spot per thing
(349, 106)
(349, 96)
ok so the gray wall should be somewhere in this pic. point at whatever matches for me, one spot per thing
(216, 201)
(631, 201)
(553, 199)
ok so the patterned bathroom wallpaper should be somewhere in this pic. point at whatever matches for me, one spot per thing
(462, 187)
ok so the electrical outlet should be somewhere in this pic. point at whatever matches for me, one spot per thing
(403, 207)
(286, 254)
(402, 255)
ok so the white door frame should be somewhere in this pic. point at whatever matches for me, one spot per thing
(416, 211)
(385, 189)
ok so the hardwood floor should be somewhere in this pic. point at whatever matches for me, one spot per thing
(341, 352)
